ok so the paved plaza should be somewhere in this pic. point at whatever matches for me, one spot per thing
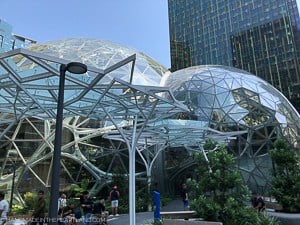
(145, 218)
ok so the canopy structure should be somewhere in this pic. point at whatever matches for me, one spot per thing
(31, 92)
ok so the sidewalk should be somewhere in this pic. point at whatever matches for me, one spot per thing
(146, 218)
(174, 205)
(143, 218)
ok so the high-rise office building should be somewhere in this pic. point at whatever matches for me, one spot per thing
(262, 37)
(9, 41)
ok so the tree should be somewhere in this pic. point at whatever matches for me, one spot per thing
(285, 185)
(219, 193)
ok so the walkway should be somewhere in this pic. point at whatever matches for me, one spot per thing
(145, 218)
(175, 205)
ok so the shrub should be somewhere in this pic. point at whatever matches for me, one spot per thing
(219, 193)
(18, 210)
(285, 185)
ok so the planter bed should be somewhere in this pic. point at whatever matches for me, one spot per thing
(285, 218)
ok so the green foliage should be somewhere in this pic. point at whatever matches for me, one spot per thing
(285, 185)
(265, 219)
(219, 194)
(84, 184)
(74, 201)
(74, 190)
(210, 144)
(30, 199)
(141, 203)
(219, 176)
(19, 210)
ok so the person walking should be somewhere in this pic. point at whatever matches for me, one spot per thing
(3, 208)
(185, 197)
(39, 209)
(86, 204)
(114, 196)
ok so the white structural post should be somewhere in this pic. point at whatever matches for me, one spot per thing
(132, 175)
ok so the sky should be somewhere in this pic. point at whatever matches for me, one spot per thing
(139, 24)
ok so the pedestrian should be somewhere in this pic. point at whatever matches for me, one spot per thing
(39, 209)
(62, 203)
(86, 204)
(100, 211)
(68, 214)
(257, 202)
(185, 196)
(114, 196)
(3, 208)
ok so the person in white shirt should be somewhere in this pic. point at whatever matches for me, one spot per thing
(62, 203)
(3, 208)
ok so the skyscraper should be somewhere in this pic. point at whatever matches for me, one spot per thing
(9, 41)
(262, 37)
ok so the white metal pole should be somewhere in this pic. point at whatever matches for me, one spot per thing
(132, 175)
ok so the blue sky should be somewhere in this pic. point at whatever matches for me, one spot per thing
(140, 24)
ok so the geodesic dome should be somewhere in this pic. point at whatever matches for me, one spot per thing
(103, 54)
(228, 99)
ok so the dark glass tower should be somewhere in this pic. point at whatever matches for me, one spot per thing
(262, 37)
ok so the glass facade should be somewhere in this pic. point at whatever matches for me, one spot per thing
(9, 41)
(102, 55)
(261, 37)
(240, 107)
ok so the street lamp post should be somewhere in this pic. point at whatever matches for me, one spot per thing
(76, 68)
